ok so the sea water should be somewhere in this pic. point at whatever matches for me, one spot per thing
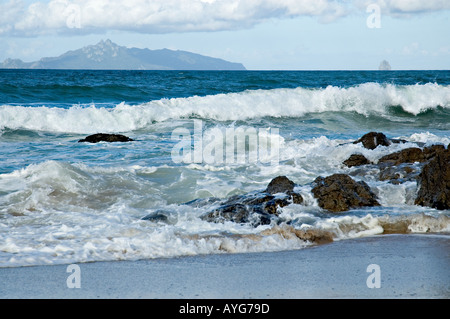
(67, 202)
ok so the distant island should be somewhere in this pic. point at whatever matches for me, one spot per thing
(107, 55)
(384, 66)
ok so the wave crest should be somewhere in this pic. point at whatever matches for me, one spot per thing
(367, 99)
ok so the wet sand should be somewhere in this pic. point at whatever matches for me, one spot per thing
(410, 266)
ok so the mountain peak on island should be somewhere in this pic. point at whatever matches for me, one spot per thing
(107, 55)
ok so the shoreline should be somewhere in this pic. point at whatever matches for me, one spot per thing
(410, 266)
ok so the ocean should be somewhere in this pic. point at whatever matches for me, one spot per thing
(64, 202)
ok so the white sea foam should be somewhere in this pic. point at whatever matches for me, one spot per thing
(367, 98)
(58, 212)
(428, 138)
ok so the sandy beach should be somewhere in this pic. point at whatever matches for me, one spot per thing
(410, 266)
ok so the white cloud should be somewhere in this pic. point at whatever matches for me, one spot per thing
(36, 17)
(410, 49)
(154, 16)
(406, 8)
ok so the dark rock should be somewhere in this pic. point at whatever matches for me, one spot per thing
(251, 199)
(356, 160)
(339, 192)
(280, 184)
(238, 213)
(296, 198)
(396, 167)
(258, 208)
(434, 182)
(373, 139)
(157, 216)
(271, 207)
(398, 174)
(431, 151)
(407, 155)
(398, 141)
(102, 137)
(202, 202)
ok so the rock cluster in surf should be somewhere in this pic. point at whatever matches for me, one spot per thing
(434, 182)
(429, 166)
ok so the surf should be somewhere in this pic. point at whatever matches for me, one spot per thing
(389, 101)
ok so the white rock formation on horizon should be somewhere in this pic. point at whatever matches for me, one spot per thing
(384, 66)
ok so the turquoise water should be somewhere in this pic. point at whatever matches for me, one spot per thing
(62, 201)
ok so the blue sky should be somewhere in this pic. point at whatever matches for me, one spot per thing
(261, 34)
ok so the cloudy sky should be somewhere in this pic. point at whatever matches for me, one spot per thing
(261, 34)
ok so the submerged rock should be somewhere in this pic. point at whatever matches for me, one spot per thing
(158, 216)
(102, 137)
(434, 182)
(339, 192)
(398, 174)
(258, 208)
(238, 213)
(161, 216)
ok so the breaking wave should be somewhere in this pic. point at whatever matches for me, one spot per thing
(376, 99)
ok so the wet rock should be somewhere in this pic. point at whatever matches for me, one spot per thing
(238, 213)
(398, 174)
(296, 198)
(373, 139)
(258, 208)
(400, 141)
(431, 151)
(280, 184)
(407, 155)
(156, 217)
(102, 137)
(202, 202)
(271, 207)
(434, 182)
(397, 167)
(160, 216)
(356, 160)
(339, 192)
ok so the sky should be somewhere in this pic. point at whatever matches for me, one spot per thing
(261, 34)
